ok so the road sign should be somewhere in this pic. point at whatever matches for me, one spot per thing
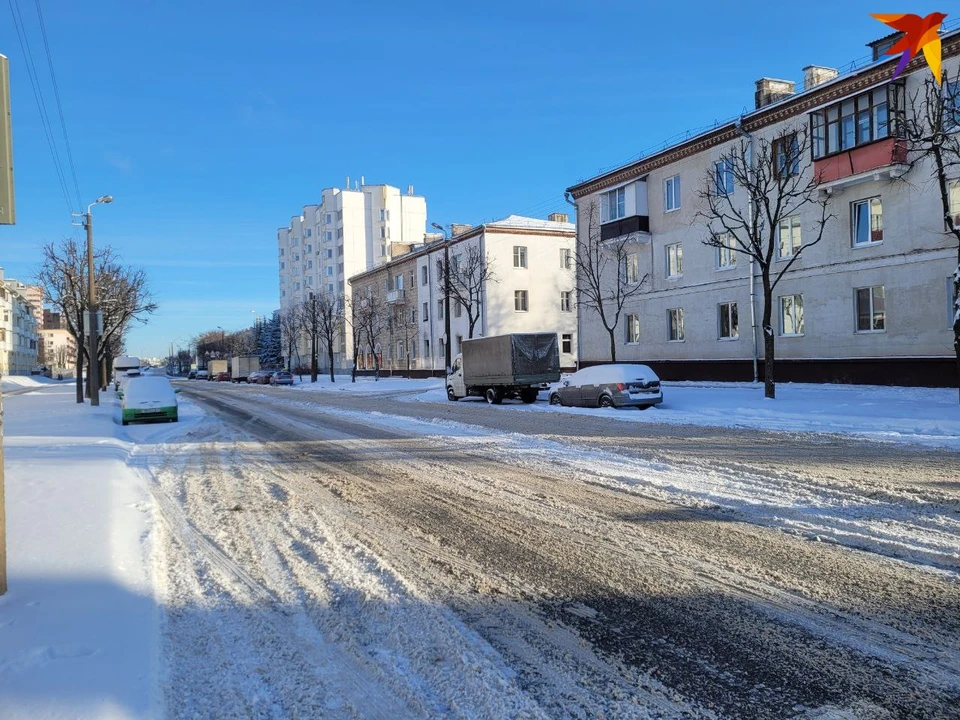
(8, 215)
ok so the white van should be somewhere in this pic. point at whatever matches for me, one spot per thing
(122, 365)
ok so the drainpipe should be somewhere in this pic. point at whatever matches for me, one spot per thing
(753, 266)
(576, 225)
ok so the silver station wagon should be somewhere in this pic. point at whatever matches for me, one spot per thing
(619, 385)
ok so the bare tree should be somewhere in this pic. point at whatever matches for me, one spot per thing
(322, 321)
(779, 184)
(931, 129)
(470, 270)
(369, 319)
(291, 329)
(404, 327)
(606, 277)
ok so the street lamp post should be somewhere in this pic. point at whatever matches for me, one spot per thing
(223, 342)
(446, 295)
(92, 309)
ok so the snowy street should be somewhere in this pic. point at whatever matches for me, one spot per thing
(379, 552)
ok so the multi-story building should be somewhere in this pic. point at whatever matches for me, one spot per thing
(869, 303)
(18, 329)
(350, 231)
(58, 345)
(528, 286)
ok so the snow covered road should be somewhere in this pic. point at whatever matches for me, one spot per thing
(374, 564)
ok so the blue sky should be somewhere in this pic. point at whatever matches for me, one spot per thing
(211, 123)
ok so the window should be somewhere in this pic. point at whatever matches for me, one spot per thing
(426, 348)
(791, 315)
(328, 218)
(633, 329)
(309, 248)
(953, 191)
(566, 343)
(384, 215)
(789, 237)
(398, 282)
(426, 308)
(329, 235)
(328, 270)
(330, 288)
(951, 105)
(309, 264)
(339, 233)
(440, 309)
(674, 260)
(441, 353)
(952, 306)
(339, 215)
(566, 258)
(329, 253)
(455, 263)
(671, 194)
(870, 309)
(867, 222)
(519, 256)
(424, 272)
(457, 309)
(400, 349)
(339, 250)
(459, 345)
(413, 314)
(310, 280)
(726, 255)
(566, 300)
(786, 156)
(340, 268)
(282, 265)
(296, 242)
(675, 324)
(520, 300)
(729, 328)
(308, 233)
(723, 176)
(281, 252)
(870, 116)
(613, 205)
(631, 267)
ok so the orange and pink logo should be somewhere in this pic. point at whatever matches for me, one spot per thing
(918, 34)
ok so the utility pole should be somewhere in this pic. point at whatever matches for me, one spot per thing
(93, 367)
(7, 217)
(446, 295)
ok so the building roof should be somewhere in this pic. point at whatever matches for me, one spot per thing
(528, 223)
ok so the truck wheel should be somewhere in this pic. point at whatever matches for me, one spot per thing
(494, 396)
(528, 396)
(451, 396)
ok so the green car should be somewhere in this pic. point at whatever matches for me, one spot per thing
(148, 399)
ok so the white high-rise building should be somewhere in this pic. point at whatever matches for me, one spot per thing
(350, 231)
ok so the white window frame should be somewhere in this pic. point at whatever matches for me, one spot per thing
(613, 205)
(566, 301)
(726, 255)
(520, 257)
(792, 226)
(854, 217)
(953, 196)
(566, 258)
(728, 309)
(671, 194)
(674, 256)
(795, 314)
(520, 301)
(457, 308)
(566, 338)
(424, 274)
(873, 312)
(631, 269)
(723, 181)
(426, 314)
(675, 320)
(440, 309)
(631, 329)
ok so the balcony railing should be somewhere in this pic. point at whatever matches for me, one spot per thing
(862, 164)
(625, 226)
(395, 297)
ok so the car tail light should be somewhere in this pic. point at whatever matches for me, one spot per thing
(621, 387)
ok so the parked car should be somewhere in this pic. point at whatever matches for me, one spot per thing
(192, 375)
(148, 398)
(202, 375)
(259, 376)
(619, 385)
(223, 377)
(281, 377)
(266, 377)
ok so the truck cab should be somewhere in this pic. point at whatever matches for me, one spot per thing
(456, 388)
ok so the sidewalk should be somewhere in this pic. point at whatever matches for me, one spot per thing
(79, 625)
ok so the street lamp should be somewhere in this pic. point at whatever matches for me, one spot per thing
(223, 343)
(446, 294)
(92, 309)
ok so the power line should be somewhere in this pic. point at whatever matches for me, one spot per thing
(56, 94)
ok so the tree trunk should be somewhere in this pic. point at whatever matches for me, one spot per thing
(769, 386)
(313, 358)
(79, 371)
(330, 358)
(613, 345)
(956, 319)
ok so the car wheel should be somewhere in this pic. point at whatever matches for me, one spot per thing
(606, 401)
(124, 422)
(644, 407)
(555, 399)
(451, 396)
(494, 396)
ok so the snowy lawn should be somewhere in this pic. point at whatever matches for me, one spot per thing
(918, 415)
(78, 625)
(365, 385)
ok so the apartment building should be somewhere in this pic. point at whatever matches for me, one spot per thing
(528, 286)
(350, 231)
(869, 303)
(18, 329)
(58, 345)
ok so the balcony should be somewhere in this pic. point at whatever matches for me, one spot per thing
(395, 297)
(884, 158)
(625, 226)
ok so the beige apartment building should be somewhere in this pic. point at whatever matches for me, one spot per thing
(58, 345)
(530, 287)
(870, 303)
(18, 328)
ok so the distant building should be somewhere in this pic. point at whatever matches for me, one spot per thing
(19, 352)
(532, 289)
(350, 231)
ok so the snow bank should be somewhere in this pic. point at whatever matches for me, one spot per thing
(365, 385)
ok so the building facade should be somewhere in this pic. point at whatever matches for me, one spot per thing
(18, 329)
(870, 302)
(58, 345)
(529, 287)
(350, 231)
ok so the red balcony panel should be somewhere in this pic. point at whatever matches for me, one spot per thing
(880, 154)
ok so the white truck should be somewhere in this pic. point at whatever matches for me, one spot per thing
(241, 367)
(122, 367)
(505, 366)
